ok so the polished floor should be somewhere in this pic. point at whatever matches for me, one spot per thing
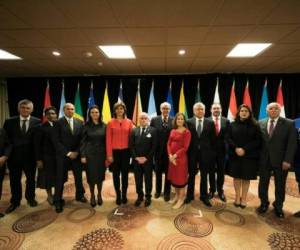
(158, 227)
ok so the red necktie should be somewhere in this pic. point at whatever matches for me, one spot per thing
(217, 126)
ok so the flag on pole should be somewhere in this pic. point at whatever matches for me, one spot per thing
(137, 107)
(264, 103)
(170, 99)
(106, 114)
(91, 100)
(62, 101)
(151, 105)
(182, 105)
(217, 97)
(47, 101)
(198, 97)
(280, 99)
(246, 97)
(78, 110)
(232, 109)
(120, 96)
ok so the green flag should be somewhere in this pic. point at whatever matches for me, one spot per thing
(78, 110)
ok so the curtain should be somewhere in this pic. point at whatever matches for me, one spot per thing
(4, 112)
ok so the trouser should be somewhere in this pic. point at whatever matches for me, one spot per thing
(2, 173)
(120, 166)
(140, 172)
(216, 182)
(161, 166)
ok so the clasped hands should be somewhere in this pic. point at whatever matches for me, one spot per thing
(240, 151)
(172, 158)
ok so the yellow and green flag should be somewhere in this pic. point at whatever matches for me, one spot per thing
(106, 114)
(182, 105)
(78, 110)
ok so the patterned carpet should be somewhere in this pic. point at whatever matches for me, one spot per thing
(193, 226)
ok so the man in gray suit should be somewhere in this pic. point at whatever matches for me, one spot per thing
(280, 142)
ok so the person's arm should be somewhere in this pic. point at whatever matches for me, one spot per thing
(109, 142)
(153, 145)
(255, 142)
(186, 144)
(132, 144)
(291, 144)
(83, 144)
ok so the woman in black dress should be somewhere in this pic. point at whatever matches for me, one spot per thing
(93, 153)
(244, 140)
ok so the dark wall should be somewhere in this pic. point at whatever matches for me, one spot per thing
(34, 89)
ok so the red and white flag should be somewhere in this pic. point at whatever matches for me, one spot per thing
(280, 99)
(232, 109)
(246, 98)
(47, 102)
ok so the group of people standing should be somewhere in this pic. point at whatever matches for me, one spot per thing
(178, 147)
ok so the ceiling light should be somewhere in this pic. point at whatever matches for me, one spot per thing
(56, 53)
(248, 49)
(4, 55)
(88, 54)
(100, 64)
(181, 52)
(118, 51)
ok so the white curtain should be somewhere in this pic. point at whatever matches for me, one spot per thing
(4, 112)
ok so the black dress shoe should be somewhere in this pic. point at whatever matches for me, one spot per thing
(138, 202)
(211, 195)
(297, 214)
(147, 202)
(118, 200)
(100, 201)
(263, 208)
(58, 208)
(157, 195)
(32, 203)
(11, 208)
(279, 213)
(166, 197)
(222, 197)
(1, 215)
(93, 201)
(206, 202)
(82, 199)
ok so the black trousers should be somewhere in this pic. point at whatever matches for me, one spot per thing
(280, 177)
(216, 182)
(205, 169)
(2, 173)
(161, 166)
(15, 176)
(141, 172)
(119, 167)
(63, 164)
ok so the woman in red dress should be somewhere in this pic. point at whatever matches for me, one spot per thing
(178, 144)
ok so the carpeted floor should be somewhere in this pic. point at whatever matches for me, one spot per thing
(158, 227)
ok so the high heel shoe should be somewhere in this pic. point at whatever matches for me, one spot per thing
(236, 204)
(243, 206)
(178, 204)
(93, 201)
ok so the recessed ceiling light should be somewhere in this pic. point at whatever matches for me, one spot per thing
(88, 54)
(100, 64)
(117, 51)
(56, 53)
(248, 49)
(181, 52)
(4, 55)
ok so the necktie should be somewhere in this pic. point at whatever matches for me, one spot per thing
(271, 128)
(70, 125)
(143, 131)
(23, 127)
(165, 123)
(217, 125)
(199, 128)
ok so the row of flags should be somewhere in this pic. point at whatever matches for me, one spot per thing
(106, 112)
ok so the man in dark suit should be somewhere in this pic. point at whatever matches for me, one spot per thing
(279, 146)
(297, 159)
(202, 152)
(69, 137)
(20, 131)
(142, 145)
(163, 126)
(45, 151)
(221, 126)
(5, 150)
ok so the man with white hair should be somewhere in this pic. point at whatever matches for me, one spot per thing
(279, 146)
(202, 152)
(142, 144)
(163, 125)
(20, 131)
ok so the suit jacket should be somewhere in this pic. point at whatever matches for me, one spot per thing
(5, 146)
(281, 146)
(67, 140)
(163, 135)
(207, 141)
(221, 137)
(22, 144)
(143, 145)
